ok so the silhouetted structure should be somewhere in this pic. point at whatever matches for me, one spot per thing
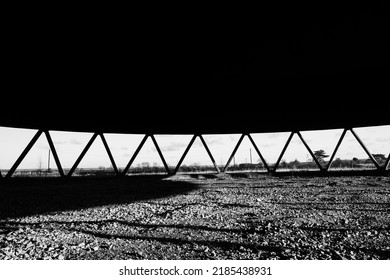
(309, 70)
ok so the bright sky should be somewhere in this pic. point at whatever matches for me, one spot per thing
(70, 144)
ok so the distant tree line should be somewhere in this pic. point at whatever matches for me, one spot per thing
(147, 168)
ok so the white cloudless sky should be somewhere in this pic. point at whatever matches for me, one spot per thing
(70, 144)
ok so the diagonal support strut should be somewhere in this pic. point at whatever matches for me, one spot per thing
(283, 151)
(310, 151)
(258, 152)
(71, 171)
(209, 153)
(109, 153)
(184, 154)
(54, 152)
(387, 162)
(233, 153)
(24, 153)
(336, 149)
(365, 149)
(160, 154)
(135, 154)
(189, 147)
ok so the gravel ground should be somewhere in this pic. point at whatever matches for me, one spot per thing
(196, 217)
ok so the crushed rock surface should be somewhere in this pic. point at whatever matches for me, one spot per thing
(253, 217)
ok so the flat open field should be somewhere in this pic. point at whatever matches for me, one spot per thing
(240, 216)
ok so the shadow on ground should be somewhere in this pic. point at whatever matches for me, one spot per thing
(146, 232)
(20, 197)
